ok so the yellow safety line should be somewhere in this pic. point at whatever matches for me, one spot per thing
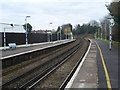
(105, 68)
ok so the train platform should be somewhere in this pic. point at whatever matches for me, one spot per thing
(108, 65)
(98, 68)
(86, 73)
(21, 49)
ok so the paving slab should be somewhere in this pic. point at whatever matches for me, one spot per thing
(111, 59)
(87, 76)
(23, 49)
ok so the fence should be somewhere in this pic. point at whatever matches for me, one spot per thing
(20, 38)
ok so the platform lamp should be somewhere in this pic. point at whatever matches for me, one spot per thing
(5, 34)
(51, 29)
(110, 32)
(60, 33)
(26, 30)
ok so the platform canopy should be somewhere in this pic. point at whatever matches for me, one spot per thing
(12, 28)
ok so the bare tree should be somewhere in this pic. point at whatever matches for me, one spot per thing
(105, 23)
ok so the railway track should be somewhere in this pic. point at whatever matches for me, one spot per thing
(5, 72)
(13, 71)
(57, 79)
(25, 80)
(64, 83)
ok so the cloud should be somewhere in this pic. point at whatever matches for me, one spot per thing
(32, 1)
(57, 11)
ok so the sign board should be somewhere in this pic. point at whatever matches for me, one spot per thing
(67, 30)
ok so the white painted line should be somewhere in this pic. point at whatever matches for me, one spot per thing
(25, 52)
(78, 69)
(36, 44)
(35, 50)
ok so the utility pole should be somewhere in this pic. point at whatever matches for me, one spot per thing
(26, 30)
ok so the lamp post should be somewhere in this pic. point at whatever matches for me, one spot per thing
(5, 35)
(26, 30)
(101, 33)
(51, 29)
(60, 32)
(4, 32)
(4, 39)
(110, 32)
(110, 37)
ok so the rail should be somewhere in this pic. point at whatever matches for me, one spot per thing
(67, 54)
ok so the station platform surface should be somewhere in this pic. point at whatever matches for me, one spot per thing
(109, 77)
(98, 68)
(31, 47)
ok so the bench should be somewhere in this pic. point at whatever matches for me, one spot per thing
(12, 45)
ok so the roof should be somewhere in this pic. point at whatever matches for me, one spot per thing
(8, 28)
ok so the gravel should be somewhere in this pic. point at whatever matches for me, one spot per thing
(59, 75)
(27, 65)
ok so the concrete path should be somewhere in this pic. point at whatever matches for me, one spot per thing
(111, 63)
(30, 47)
(98, 69)
(86, 74)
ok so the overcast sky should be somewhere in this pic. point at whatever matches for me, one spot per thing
(58, 12)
